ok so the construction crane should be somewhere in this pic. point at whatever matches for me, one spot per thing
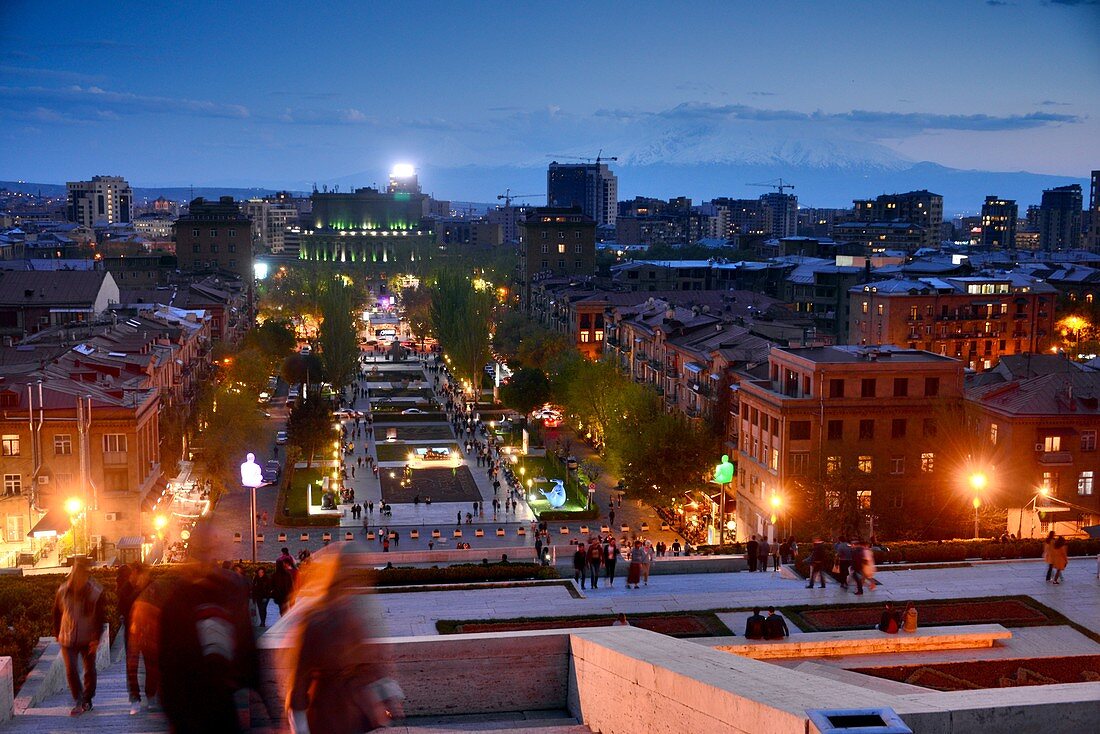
(507, 196)
(600, 157)
(776, 184)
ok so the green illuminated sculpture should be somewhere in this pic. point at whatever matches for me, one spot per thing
(723, 473)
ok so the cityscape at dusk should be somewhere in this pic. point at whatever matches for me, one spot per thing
(563, 368)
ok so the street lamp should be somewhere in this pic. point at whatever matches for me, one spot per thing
(74, 506)
(978, 482)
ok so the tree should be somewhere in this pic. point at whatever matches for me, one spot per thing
(274, 339)
(249, 369)
(232, 423)
(309, 426)
(337, 340)
(527, 389)
(299, 368)
(461, 316)
(417, 306)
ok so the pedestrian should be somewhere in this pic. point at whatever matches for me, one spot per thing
(595, 560)
(282, 584)
(339, 681)
(143, 642)
(126, 589)
(889, 622)
(634, 572)
(676, 552)
(754, 625)
(620, 621)
(775, 627)
(1048, 543)
(751, 549)
(261, 593)
(579, 561)
(843, 563)
(611, 558)
(785, 552)
(775, 556)
(1059, 557)
(79, 613)
(611, 519)
(647, 560)
(817, 564)
(458, 517)
(763, 550)
(396, 538)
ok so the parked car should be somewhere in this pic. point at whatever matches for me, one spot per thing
(272, 470)
(292, 394)
(412, 411)
(280, 437)
(347, 413)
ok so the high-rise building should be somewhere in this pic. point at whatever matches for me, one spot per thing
(215, 235)
(557, 242)
(1093, 241)
(103, 200)
(271, 218)
(590, 186)
(999, 223)
(403, 180)
(1060, 218)
(922, 208)
(780, 214)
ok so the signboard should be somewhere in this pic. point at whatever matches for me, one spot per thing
(591, 488)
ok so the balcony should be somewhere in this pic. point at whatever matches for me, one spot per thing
(114, 458)
(1056, 458)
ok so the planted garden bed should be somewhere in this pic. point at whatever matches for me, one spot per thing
(673, 624)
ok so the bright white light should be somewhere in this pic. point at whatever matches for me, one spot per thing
(260, 270)
(403, 170)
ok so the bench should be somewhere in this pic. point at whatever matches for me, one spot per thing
(479, 533)
(282, 537)
(521, 531)
(259, 537)
(645, 527)
(326, 537)
(236, 537)
(869, 642)
(414, 534)
(605, 529)
(584, 530)
(370, 535)
(665, 527)
(457, 534)
(563, 530)
(303, 538)
(500, 532)
(624, 528)
(349, 536)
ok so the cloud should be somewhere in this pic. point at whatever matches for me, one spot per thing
(1073, 3)
(90, 101)
(1053, 103)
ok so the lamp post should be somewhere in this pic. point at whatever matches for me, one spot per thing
(776, 502)
(723, 476)
(252, 476)
(978, 483)
(74, 506)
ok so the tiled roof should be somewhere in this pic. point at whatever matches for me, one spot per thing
(1059, 393)
(26, 288)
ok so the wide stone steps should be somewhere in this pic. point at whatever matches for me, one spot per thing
(522, 722)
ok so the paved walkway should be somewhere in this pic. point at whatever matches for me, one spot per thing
(417, 613)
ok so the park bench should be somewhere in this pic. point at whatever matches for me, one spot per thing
(326, 537)
(605, 529)
(479, 533)
(564, 530)
(870, 642)
(282, 537)
(349, 536)
(584, 530)
(457, 534)
(436, 534)
(500, 532)
(414, 534)
(521, 531)
(259, 537)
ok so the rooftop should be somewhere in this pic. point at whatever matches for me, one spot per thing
(851, 354)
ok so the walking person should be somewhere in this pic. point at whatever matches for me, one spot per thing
(775, 556)
(611, 558)
(1059, 557)
(595, 560)
(1048, 544)
(751, 549)
(579, 560)
(647, 560)
(79, 613)
(843, 563)
(261, 593)
(637, 558)
(763, 550)
(143, 643)
(817, 564)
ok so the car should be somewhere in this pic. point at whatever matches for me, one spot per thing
(280, 437)
(265, 397)
(292, 394)
(307, 349)
(347, 413)
(412, 411)
(272, 469)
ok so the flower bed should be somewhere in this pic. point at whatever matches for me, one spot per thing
(1020, 611)
(688, 624)
(993, 673)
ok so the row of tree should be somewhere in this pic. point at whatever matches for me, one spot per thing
(461, 318)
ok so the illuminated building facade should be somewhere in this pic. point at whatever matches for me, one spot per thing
(921, 208)
(380, 230)
(557, 243)
(103, 200)
(1060, 218)
(999, 222)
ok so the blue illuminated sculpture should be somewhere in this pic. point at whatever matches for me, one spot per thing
(556, 496)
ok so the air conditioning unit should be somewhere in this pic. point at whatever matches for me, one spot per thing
(1038, 447)
(43, 479)
(110, 516)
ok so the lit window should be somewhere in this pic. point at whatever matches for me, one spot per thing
(832, 465)
(866, 464)
(10, 445)
(863, 499)
(881, 308)
(866, 307)
(832, 499)
(1084, 483)
(928, 462)
(993, 433)
(584, 337)
(1052, 444)
(599, 335)
(561, 249)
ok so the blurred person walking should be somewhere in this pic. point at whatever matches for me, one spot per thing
(144, 640)
(79, 613)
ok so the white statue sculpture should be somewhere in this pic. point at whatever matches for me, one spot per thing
(556, 496)
(251, 473)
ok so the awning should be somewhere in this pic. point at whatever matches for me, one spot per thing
(1093, 531)
(54, 521)
(693, 367)
(128, 541)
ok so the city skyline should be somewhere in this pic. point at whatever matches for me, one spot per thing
(285, 99)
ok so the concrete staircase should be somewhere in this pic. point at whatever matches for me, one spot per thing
(522, 722)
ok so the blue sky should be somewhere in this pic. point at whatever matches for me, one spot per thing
(282, 94)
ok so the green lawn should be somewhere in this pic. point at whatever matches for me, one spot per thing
(294, 498)
(547, 466)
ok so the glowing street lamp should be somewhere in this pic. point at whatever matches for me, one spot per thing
(74, 506)
(978, 482)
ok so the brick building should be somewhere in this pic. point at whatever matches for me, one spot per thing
(215, 235)
(820, 414)
(557, 243)
(976, 319)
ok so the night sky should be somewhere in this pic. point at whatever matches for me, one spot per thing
(285, 94)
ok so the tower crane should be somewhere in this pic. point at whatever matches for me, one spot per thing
(507, 196)
(776, 184)
(600, 157)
